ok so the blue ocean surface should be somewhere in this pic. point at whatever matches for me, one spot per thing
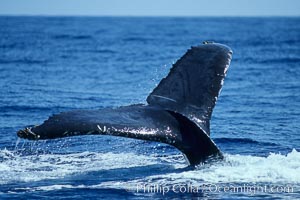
(54, 64)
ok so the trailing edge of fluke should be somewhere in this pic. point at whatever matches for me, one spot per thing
(178, 110)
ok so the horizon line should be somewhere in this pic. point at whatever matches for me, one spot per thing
(150, 16)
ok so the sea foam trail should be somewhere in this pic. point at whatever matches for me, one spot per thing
(16, 168)
(236, 169)
(275, 168)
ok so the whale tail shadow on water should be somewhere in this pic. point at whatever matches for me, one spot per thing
(178, 110)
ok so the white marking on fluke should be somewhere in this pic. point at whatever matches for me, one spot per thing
(35, 135)
(100, 129)
(167, 98)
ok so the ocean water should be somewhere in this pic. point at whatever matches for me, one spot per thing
(54, 64)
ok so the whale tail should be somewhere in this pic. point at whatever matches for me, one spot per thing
(178, 111)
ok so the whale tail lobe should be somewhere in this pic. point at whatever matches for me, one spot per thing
(194, 83)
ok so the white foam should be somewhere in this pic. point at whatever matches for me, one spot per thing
(60, 187)
(275, 168)
(50, 166)
(52, 187)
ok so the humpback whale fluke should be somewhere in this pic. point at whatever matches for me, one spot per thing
(178, 110)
